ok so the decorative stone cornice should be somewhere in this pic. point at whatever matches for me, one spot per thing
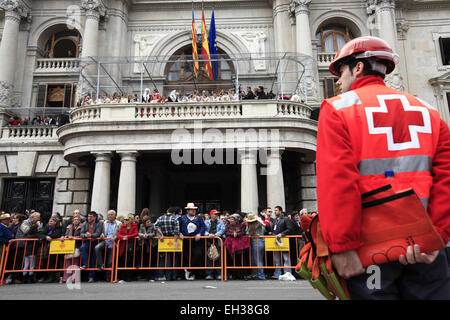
(94, 8)
(15, 10)
(300, 6)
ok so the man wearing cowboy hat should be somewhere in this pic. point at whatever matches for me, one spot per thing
(192, 226)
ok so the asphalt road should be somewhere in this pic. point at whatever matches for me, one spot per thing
(165, 290)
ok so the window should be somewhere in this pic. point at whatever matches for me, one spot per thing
(332, 38)
(63, 44)
(180, 73)
(329, 87)
(445, 50)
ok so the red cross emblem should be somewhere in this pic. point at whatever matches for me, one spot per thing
(400, 121)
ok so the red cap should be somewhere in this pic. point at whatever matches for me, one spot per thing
(213, 211)
(366, 47)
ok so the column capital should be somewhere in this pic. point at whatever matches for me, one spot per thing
(128, 155)
(94, 8)
(102, 155)
(300, 6)
(379, 5)
(15, 10)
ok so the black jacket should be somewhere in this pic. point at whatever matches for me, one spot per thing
(284, 226)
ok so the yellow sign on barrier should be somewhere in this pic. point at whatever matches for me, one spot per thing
(62, 247)
(272, 245)
(168, 245)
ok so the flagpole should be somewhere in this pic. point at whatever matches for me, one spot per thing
(193, 73)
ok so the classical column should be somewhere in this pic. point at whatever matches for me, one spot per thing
(275, 181)
(304, 47)
(282, 29)
(384, 11)
(94, 10)
(126, 198)
(102, 183)
(249, 181)
(14, 11)
(303, 30)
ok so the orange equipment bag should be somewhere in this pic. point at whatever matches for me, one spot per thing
(314, 263)
(392, 221)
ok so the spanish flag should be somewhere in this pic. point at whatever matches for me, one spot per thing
(194, 47)
(205, 49)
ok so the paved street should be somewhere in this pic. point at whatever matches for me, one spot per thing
(171, 290)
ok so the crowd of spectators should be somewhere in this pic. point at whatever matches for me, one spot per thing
(139, 235)
(153, 96)
(37, 121)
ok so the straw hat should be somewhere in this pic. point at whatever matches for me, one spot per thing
(251, 217)
(191, 205)
(5, 216)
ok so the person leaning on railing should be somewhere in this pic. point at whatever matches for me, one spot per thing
(168, 225)
(214, 227)
(73, 230)
(128, 232)
(146, 245)
(255, 229)
(51, 231)
(27, 250)
(91, 230)
(111, 228)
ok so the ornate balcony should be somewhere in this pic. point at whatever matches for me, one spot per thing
(324, 59)
(57, 66)
(190, 111)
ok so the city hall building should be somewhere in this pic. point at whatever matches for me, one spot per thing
(228, 155)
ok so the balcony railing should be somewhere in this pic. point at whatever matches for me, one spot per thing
(32, 133)
(61, 65)
(325, 58)
(190, 111)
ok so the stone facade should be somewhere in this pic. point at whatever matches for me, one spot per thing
(120, 29)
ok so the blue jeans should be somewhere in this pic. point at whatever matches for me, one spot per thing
(277, 255)
(170, 274)
(84, 251)
(258, 249)
(209, 263)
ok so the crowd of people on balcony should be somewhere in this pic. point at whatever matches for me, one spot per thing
(36, 121)
(153, 96)
(138, 246)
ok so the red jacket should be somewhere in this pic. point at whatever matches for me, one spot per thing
(132, 234)
(366, 132)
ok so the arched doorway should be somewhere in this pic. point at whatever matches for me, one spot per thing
(179, 73)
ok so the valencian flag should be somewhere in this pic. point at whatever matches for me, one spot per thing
(194, 46)
(205, 49)
(213, 47)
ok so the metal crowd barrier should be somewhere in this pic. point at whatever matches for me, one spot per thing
(268, 262)
(178, 260)
(39, 259)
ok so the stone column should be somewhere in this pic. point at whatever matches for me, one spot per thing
(14, 11)
(94, 10)
(303, 30)
(126, 198)
(102, 183)
(249, 181)
(384, 11)
(304, 47)
(275, 181)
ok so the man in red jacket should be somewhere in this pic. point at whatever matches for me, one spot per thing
(369, 136)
